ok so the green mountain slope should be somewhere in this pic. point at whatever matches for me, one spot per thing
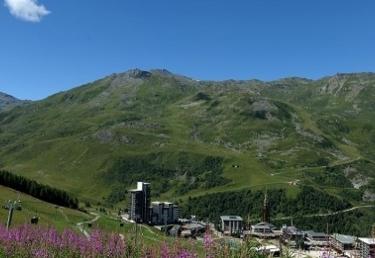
(48, 214)
(191, 137)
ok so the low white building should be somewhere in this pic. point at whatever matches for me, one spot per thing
(343, 243)
(231, 225)
(263, 230)
(316, 239)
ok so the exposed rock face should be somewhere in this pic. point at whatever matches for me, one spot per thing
(131, 76)
(107, 137)
(334, 85)
(368, 196)
(164, 72)
(359, 180)
(263, 106)
(263, 109)
(347, 85)
(137, 74)
(104, 136)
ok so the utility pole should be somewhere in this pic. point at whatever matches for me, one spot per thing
(266, 213)
(165, 226)
(136, 233)
(11, 205)
(280, 246)
(329, 241)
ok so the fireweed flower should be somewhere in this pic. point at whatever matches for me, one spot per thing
(165, 252)
(186, 254)
(207, 241)
(96, 241)
(38, 242)
(40, 253)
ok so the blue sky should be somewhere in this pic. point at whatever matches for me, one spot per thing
(48, 46)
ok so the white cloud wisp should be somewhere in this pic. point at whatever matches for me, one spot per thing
(27, 10)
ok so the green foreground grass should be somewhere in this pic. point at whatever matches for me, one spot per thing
(49, 214)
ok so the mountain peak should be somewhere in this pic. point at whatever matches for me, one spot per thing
(130, 75)
(136, 74)
(139, 74)
(164, 72)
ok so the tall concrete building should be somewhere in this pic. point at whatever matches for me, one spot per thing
(139, 203)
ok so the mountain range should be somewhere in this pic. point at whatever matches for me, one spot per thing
(190, 137)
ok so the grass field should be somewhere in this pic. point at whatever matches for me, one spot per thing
(49, 214)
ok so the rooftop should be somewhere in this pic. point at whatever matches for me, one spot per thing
(369, 241)
(345, 239)
(141, 184)
(145, 183)
(311, 233)
(232, 218)
(292, 230)
(263, 225)
(192, 226)
(165, 203)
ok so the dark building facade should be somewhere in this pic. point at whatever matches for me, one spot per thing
(139, 203)
(164, 213)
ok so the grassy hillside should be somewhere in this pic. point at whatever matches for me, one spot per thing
(49, 214)
(189, 137)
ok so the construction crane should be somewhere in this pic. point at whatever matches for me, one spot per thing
(266, 213)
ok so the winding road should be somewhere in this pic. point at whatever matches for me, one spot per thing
(315, 215)
(80, 224)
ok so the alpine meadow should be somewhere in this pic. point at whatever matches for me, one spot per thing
(199, 140)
